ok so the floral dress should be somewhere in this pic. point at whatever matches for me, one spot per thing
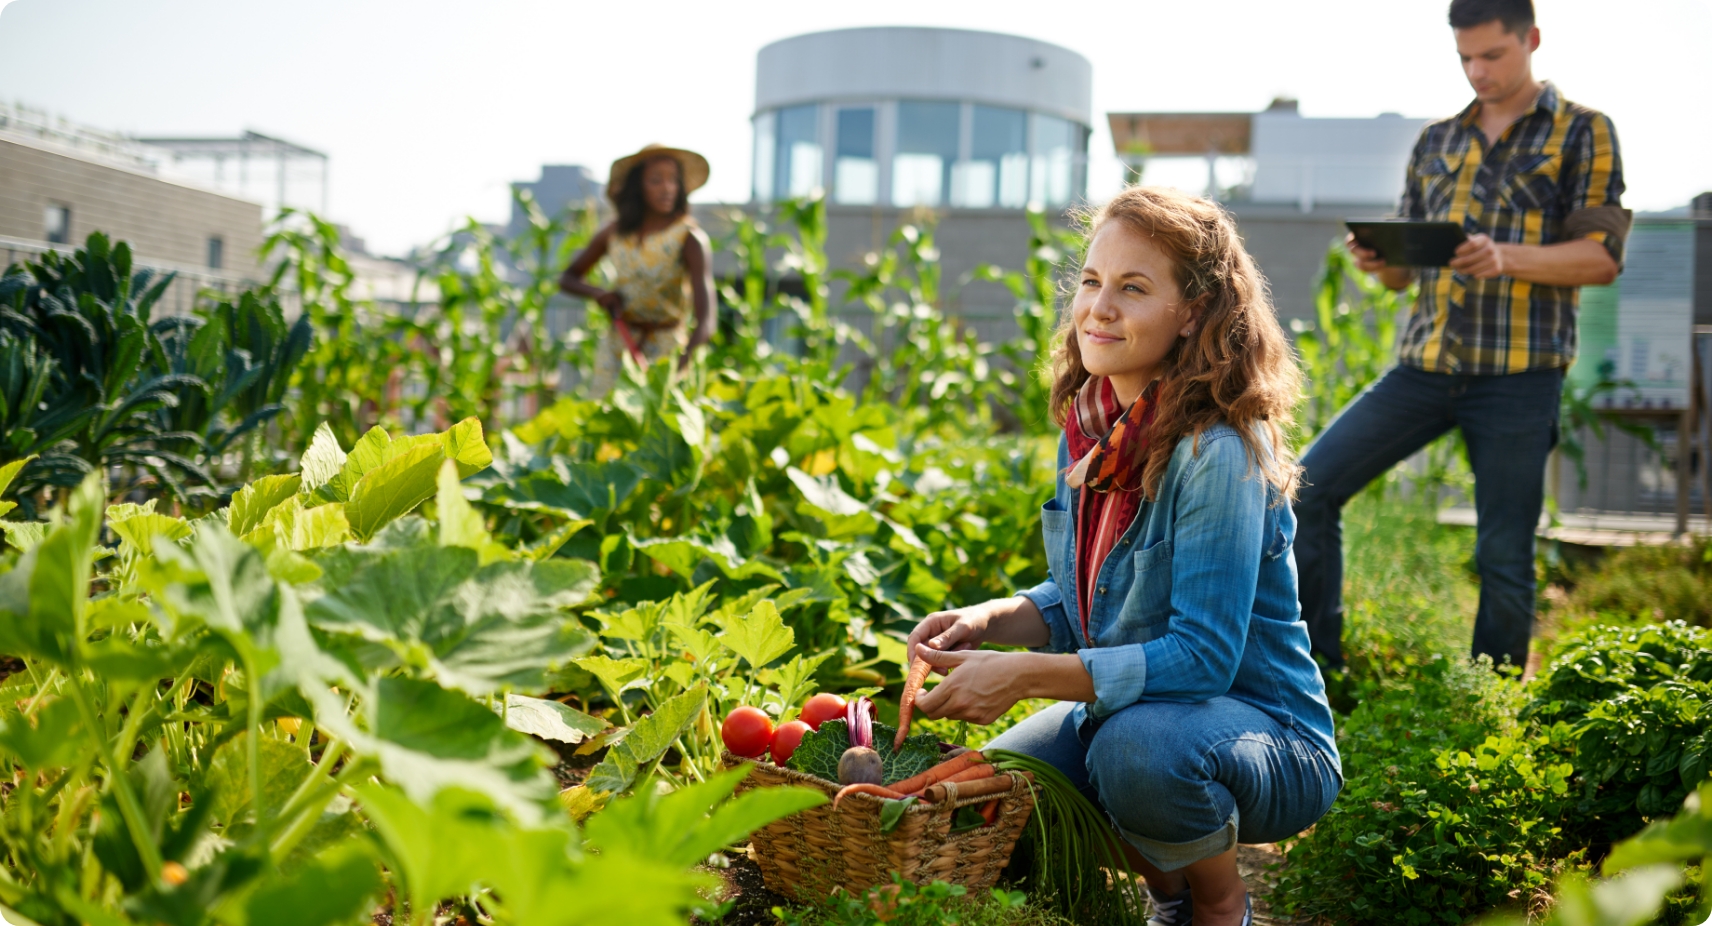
(648, 271)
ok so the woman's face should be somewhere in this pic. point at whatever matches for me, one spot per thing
(660, 185)
(1128, 309)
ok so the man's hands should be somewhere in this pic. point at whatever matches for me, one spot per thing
(1480, 257)
(1370, 262)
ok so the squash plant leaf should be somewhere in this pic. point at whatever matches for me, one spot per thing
(550, 720)
(649, 739)
(615, 675)
(323, 460)
(393, 488)
(284, 767)
(333, 887)
(52, 738)
(252, 502)
(46, 592)
(759, 638)
(685, 826)
(463, 445)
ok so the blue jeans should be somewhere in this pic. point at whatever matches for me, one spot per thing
(1186, 781)
(1509, 424)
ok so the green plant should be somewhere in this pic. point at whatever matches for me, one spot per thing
(1039, 288)
(1645, 584)
(904, 903)
(1450, 806)
(205, 727)
(90, 384)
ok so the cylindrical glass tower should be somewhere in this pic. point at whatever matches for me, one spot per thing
(902, 117)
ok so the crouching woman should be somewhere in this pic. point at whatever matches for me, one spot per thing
(1169, 632)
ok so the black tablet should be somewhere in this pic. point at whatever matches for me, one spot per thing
(1408, 243)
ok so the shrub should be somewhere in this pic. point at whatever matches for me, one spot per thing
(1649, 584)
(1449, 807)
(1637, 705)
(938, 904)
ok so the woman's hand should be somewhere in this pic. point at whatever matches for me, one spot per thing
(951, 631)
(612, 301)
(982, 689)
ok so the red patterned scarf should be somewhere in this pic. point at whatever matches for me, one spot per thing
(1109, 444)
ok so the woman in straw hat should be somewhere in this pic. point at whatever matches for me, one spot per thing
(660, 264)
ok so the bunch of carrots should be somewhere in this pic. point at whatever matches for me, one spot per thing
(965, 773)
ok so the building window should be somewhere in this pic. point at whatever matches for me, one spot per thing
(996, 173)
(855, 173)
(927, 148)
(216, 252)
(1057, 144)
(798, 164)
(764, 144)
(57, 222)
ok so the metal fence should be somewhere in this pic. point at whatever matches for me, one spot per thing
(180, 296)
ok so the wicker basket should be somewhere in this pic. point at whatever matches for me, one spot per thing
(807, 854)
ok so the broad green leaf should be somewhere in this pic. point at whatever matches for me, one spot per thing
(699, 643)
(573, 490)
(550, 719)
(464, 446)
(686, 825)
(10, 471)
(252, 502)
(759, 638)
(369, 452)
(460, 524)
(429, 738)
(6, 508)
(138, 532)
(638, 623)
(335, 887)
(392, 489)
(476, 628)
(323, 460)
(533, 884)
(795, 678)
(614, 674)
(24, 535)
(51, 739)
(684, 555)
(284, 767)
(441, 846)
(46, 592)
(649, 739)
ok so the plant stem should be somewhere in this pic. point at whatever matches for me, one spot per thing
(129, 808)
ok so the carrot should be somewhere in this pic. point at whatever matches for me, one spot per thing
(990, 811)
(863, 787)
(972, 773)
(979, 787)
(906, 705)
(940, 772)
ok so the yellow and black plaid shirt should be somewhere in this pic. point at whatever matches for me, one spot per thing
(1558, 160)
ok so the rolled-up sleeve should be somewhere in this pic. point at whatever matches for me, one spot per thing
(1217, 544)
(1593, 187)
(1050, 601)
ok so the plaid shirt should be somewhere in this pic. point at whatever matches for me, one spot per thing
(1554, 161)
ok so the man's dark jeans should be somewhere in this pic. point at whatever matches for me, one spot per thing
(1509, 424)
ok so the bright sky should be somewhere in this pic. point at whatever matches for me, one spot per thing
(429, 108)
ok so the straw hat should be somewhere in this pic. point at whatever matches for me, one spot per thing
(693, 167)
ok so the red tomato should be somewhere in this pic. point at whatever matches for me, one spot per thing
(747, 731)
(786, 740)
(821, 708)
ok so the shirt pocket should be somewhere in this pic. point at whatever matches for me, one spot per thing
(1149, 602)
(1530, 184)
(1438, 175)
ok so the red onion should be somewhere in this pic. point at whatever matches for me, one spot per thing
(859, 714)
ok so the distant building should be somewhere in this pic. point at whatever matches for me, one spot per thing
(561, 187)
(60, 181)
(886, 121)
(1303, 177)
(271, 171)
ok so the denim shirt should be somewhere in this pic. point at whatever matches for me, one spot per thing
(1196, 600)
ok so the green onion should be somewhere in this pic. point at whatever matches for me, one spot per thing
(1071, 847)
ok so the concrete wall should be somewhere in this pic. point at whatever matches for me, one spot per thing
(162, 220)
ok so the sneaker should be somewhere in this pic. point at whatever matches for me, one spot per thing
(1172, 910)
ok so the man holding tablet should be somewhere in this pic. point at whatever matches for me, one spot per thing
(1534, 181)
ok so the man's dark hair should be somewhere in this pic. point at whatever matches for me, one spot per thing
(632, 209)
(1516, 15)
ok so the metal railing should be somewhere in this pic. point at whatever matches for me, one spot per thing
(180, 296)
